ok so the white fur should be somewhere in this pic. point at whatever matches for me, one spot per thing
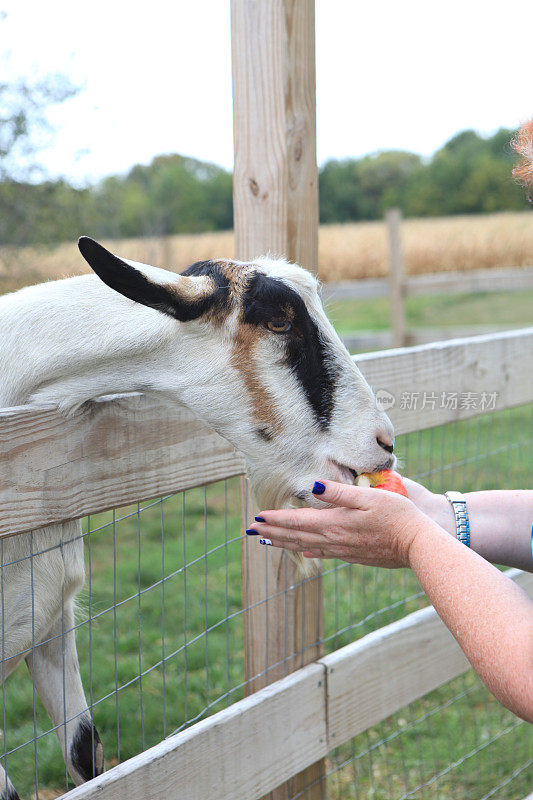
(69, 341)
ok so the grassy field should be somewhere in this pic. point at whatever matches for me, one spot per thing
(184, 633)
(441, 311)
(347, 251)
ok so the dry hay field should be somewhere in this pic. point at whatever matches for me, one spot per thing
(346, 251)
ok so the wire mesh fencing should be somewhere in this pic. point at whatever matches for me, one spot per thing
(159, 634)
(458, 741)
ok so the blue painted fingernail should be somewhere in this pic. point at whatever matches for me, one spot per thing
(265, 541)
(259, 519)
(251, 532)
(318, 488)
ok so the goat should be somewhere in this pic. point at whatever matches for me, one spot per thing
(246, 346)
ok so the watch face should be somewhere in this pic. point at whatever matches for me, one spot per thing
(455, 497)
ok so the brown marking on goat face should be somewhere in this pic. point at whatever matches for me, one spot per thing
(202, 287)
(245, 340)
(238, 275)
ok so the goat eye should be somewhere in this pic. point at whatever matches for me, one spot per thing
(279, 326)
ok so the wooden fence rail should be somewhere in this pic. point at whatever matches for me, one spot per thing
(508, 279)
(364, 341)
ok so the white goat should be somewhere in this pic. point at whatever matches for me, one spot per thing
(246, 346)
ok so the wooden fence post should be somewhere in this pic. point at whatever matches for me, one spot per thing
(276, 210)
(396, 277)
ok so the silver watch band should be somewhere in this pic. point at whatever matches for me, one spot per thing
(458, 503)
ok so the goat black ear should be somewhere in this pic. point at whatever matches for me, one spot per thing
(184, 298)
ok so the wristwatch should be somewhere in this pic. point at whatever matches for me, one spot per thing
(458, 503)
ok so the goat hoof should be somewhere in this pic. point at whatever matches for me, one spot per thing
(86, 751)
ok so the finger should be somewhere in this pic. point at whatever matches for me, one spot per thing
(292, 546)
(292, 539)
(298, 519)
(322, 544)
(318, 546)
(335, 494)
(342, 494)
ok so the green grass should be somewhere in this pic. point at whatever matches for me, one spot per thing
(421, 741)
(460, 725)
(481, 453)
(500, 308)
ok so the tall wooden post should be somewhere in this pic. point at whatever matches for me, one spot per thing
(393, 219)
(276, 211)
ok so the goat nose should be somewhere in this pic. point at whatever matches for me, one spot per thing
(388, 447)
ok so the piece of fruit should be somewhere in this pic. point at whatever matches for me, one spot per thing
(385, 479)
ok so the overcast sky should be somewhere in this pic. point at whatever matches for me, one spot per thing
(156, 75)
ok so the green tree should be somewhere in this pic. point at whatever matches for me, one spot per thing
(383, 179)
(363, 189)
(175, 194)
(27, 211)
(469, 174)
(340, 196)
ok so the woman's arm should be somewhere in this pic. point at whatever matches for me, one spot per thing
(491, 617)
(500, 522)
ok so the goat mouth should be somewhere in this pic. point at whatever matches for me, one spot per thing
(347, 474)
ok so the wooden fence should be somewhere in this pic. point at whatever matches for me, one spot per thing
(133, 448)
(509, 279)
(243, 752)
(397, 286)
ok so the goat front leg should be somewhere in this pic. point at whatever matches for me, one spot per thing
(55, 669)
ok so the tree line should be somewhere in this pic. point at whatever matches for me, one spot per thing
(174, 194)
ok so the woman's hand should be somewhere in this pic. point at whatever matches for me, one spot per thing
(361, 525)
(491, 618)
